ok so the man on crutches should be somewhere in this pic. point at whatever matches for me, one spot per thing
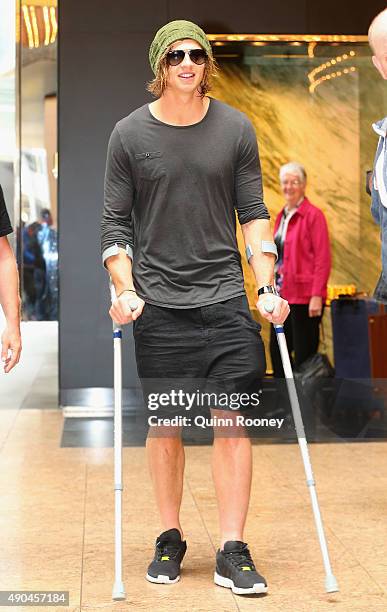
(179, 168)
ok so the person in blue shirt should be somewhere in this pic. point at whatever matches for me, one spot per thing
(377, 36)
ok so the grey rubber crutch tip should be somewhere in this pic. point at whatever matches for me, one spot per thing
(331, 585)
(118, 591)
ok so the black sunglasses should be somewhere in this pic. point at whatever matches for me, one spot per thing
(197, 56)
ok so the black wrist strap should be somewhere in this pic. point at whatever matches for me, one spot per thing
(132, 290)
(267, 289)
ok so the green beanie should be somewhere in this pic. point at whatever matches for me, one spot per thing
(170, 33)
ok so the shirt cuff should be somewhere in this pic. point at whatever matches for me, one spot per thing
(5, 231)
(114, 250)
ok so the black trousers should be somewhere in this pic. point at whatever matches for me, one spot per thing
(302, 337)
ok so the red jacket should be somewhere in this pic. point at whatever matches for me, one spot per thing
(307, 256)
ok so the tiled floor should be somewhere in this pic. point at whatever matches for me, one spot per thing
(56, 518)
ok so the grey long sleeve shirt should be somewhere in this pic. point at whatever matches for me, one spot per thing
(170, 198)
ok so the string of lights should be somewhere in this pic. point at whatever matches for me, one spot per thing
(329, 38)
(47, 27)
(311, 47)
(27, 23)
(331, 75)
(54, 24)
(334, 62)
(34, 26)
(40, 23)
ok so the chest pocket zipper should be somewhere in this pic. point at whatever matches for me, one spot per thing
(150, 165)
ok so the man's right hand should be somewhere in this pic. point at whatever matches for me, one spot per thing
(10, 346)
(121, 309)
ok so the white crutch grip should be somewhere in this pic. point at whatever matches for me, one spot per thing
(269, 305)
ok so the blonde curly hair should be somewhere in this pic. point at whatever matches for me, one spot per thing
(158, 85)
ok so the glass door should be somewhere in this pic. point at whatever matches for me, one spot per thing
(38, 160)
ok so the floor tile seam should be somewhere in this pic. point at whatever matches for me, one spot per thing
(2, 447)
(300, 488)
(83, 535)
(330, 530)
(188, 486)
(295, 488)
(45, 360)
(29, 386)
(42, 361)
(44, 410)
(208, 534)
(354, 556)
(31, 392)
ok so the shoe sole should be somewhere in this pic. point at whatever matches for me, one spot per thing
(259, 587)
(162, 579)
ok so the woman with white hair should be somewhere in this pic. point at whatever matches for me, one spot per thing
(302, 268)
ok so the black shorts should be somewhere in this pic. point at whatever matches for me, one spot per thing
(214, 349)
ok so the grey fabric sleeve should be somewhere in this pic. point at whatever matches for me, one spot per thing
(248, 179)
(116, 224)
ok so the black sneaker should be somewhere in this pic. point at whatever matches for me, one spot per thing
(235, 570)
(169, 553)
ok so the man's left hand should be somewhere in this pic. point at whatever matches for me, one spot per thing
(10, 343)
(280, 311)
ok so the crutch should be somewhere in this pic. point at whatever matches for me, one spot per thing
(331, 585)
(118, 587)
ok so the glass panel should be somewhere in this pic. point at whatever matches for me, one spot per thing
(8, 104)
(38, 160)
(314, 103)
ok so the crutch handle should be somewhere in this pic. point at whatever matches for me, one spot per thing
(133, 305)
(269, 307)
(112, 290)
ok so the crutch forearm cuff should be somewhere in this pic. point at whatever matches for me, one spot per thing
(270, 247)
(114, 250)
(249, 252)
(267, 246)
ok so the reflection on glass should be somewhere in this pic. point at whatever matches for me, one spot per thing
(38, 165)
(315, 105)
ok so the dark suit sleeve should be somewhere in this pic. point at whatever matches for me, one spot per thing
(5, 223)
